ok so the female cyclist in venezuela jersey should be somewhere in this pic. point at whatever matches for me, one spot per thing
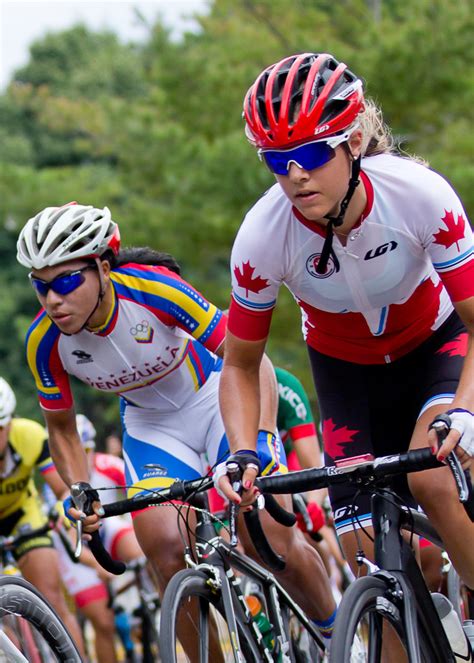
(127, 323)
(378, 252)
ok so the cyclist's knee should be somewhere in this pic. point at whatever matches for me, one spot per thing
(167, 559)
(432, 493)
(292, 547)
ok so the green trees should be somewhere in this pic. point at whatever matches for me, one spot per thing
(154, 131)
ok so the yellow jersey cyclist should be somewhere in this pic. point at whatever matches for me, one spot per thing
(23, 450)
(125, 322)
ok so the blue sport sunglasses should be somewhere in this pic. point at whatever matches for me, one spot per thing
(308, 156)
(63, 284)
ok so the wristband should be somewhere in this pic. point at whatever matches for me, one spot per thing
(67, 504)
(246, 451)
(463, 421)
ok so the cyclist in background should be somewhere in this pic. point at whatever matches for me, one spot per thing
(303, 450)
(127, 323)
(113, 445)
(23, 450)
(86, 582)
(378, 253)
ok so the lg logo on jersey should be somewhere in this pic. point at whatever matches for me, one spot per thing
(380, 250)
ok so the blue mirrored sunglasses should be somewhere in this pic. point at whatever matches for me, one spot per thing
(63, 284)
(308, 156)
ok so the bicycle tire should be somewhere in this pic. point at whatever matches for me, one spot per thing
(352, 636)
(19, 597)
(184, 586)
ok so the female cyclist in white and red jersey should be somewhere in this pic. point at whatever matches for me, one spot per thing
(378, 253)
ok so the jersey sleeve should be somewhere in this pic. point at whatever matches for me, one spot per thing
(294, 410)
(45, 462)
(174, 301)
(255, 283)
(449, 240)
(52, 381)
(31, 440)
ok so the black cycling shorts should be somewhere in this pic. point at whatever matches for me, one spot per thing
(374, 408)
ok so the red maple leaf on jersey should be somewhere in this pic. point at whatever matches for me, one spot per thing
(335, 439)
(457, 347)
(246, 279)
(455, 230)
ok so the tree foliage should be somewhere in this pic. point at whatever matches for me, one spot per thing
(154, 131)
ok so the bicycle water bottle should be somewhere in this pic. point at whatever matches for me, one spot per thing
(265, 628)
(452, 627)
(122, 626)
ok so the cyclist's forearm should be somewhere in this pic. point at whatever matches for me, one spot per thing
(69, 458)
(268, 396)
(239, 398)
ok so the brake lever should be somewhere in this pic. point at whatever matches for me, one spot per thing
(80, 499)
(235, 476)
(441, 427)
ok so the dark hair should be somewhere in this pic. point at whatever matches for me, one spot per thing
(142, 255)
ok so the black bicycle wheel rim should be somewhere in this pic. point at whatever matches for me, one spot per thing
(366, 597)
(189, 584)
(19, 597)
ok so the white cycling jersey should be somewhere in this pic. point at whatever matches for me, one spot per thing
(385, 291)
(155, 349)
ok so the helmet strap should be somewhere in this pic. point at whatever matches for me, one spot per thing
(101, 294)
(336, 221)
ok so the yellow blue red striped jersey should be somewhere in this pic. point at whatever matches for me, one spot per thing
(155, 348)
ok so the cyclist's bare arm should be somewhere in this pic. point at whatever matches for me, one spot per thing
(69, 456)
(56, 484)
(239, 397)
(66, 450)
(465, 392)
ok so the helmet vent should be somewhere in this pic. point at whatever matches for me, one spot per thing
(333, 109)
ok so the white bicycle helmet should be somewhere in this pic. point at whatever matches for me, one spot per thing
(7, 402)
(59, 234)
(86, 431)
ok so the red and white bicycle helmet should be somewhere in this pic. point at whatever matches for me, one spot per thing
(300, 97)
(59, 234)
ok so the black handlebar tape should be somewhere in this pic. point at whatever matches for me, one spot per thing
(260, 541)
(124, 506)
(294, 482)
(278, 513)
(418, 459)
(103, 557)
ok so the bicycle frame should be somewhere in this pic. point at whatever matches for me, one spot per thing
(216, 557)
(398, 566)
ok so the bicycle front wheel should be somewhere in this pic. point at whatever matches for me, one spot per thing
(367, 622)
(29, 626)
(194, 611)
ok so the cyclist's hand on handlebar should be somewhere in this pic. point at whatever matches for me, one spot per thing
(86, 508)
(459, 439)
(234, 479)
